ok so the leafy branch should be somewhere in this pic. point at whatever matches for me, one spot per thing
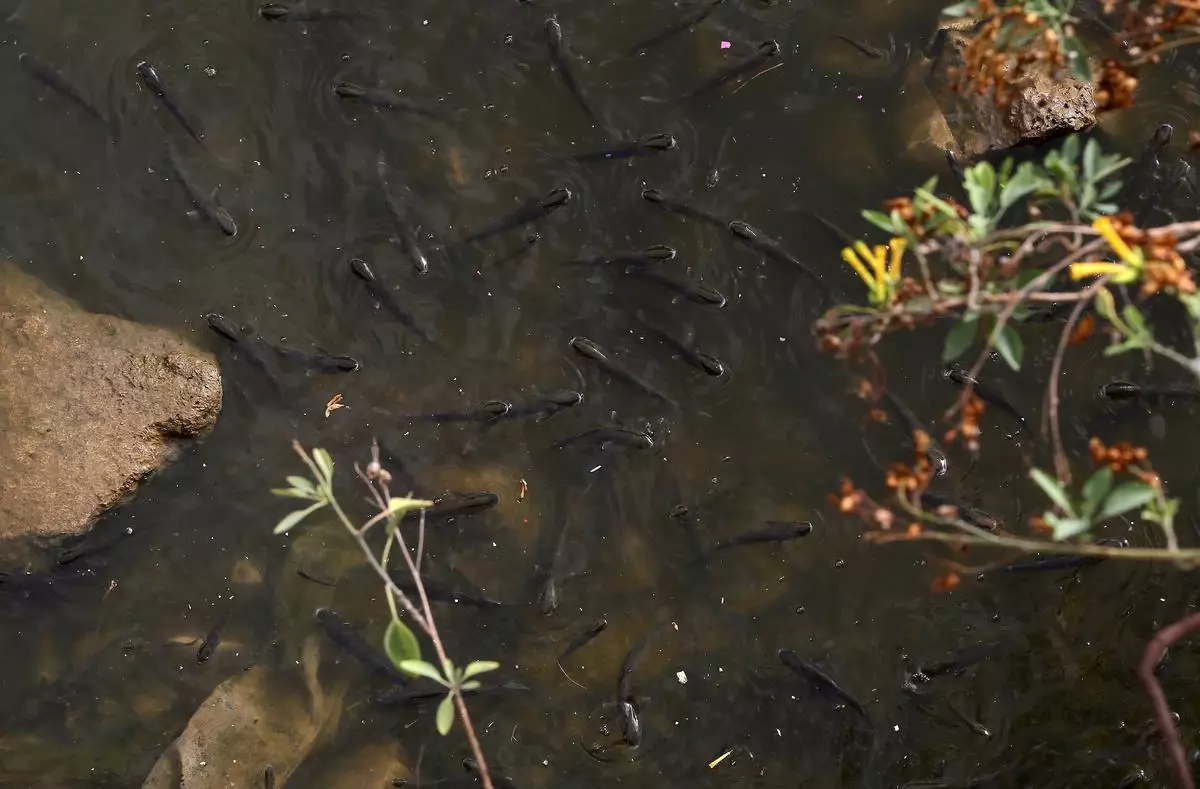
(399, 642)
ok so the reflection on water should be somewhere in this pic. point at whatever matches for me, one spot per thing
(104, 672)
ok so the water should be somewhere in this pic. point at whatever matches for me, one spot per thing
(97, 689)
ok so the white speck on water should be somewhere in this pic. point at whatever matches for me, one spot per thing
(593, 471)
(896, 727)
(681, 676)
(210, 72)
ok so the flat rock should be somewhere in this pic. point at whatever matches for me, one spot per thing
(1043, 108)
(89, 405)
(253, 719)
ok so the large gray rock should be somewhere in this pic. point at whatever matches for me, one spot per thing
(1044, 107)
(89, 404)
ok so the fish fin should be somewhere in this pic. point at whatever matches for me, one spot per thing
(215, 196)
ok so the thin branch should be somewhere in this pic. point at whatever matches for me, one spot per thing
(1061, 467)
(1007, 313)
(1153, 655)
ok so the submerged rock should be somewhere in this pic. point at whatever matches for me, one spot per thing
(253, 719)
(1043, 107)
(89, 404)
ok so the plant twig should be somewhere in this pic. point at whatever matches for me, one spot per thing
(1061, 467)
(1153, 655)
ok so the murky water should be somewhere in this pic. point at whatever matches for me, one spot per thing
(93, 684)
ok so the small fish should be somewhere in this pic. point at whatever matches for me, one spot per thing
(30, 585)
(975, 516)
(651, 143)
(768, 247)
(593, 630)
(686, 348)
(539, 406)
(776, 531)
(211, 641)
(323, 362)
(488, 412)
(440, 594)
(382, 97)
(842, 236)
(155, 85)
(655, 253)
(953, 665)
(956, 168)
(627, 712)
(244, 341)
(404, 231)
(499, 781)
(1127, 390)
(268, 781)
(680, 26)
(872, 52)
(603, 438)
(531, 240)
(558, 571)
(956, 375)
(564, 65)
(91, 544)
(452, 504)
(689, 289)
(1059, 561)
(348, 638)
(54, 79)
(761, 54)
(933, 452)
(206, 204)
(400, 695)
(820, 681)
(531, 210)
(384, 296)
(300, 12)
(616, 369)
(316, 579)
(658, 199)
(630, 722)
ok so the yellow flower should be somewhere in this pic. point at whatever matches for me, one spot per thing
(897, 245)
(1104, 226)
(1120, 272)
(880, 272)
(851, 257)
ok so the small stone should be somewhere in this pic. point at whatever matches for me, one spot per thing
(682, 677)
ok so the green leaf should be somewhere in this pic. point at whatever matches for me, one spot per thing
(1125, 497)
(471, 684)
(1066, 528)
(479, 667)
(400, 644)
(880, 220)
(980, 186)
(1024, 183)
(1091, 157)
(959, 339)
(445, 715)
(419, 668)
(1134, 318)
(1052, 489)
(292, 518)
(324, 463)
(1010, 346)
(1106, 305)
(291, 493)
(303, 484)
(1095, 489)
(399, 506)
